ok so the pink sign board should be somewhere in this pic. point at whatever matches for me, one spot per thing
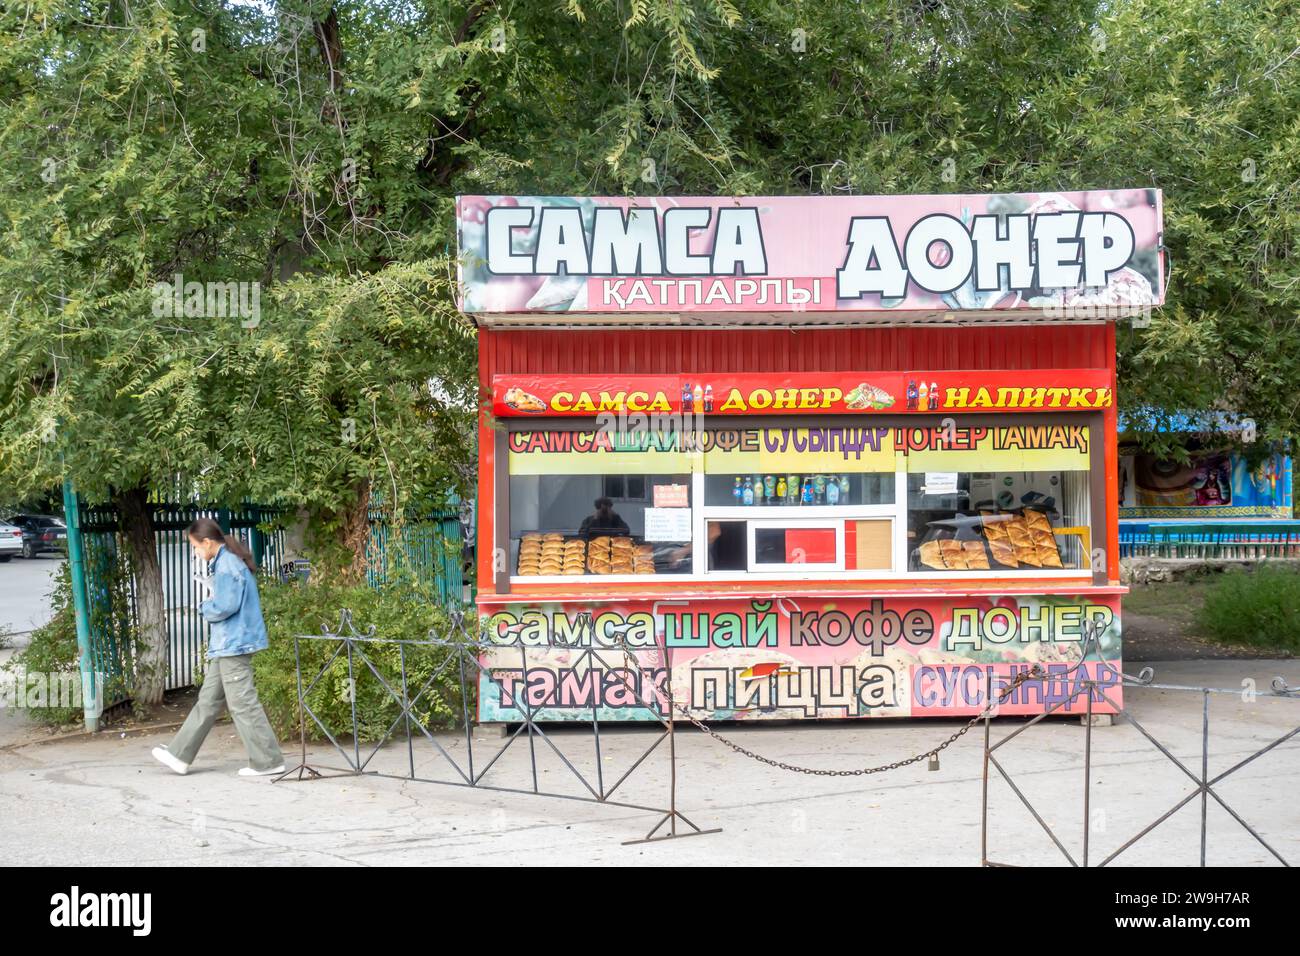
(1052, 254)
(750, 658)
(672, 496)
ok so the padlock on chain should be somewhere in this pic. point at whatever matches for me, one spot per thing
(934, 761)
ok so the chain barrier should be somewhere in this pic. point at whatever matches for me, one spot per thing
(1034, 673)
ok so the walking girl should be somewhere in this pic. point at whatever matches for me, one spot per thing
(236, 632)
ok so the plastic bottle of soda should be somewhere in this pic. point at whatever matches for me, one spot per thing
(708, 398)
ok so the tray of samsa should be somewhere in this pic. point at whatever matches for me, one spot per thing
(551, 554)
(999, 540)
(611, 554)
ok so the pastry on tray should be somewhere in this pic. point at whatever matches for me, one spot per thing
(930, 555)
(976, 559)
(954, 557)
(1037, 521)
(1003, 553)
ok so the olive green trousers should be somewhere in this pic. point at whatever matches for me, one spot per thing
(228, 683)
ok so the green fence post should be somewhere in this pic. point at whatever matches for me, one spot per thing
(256, 543)
(81, 605)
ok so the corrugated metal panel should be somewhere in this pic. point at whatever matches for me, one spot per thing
(669, 351)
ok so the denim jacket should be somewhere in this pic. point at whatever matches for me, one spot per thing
(234, 612)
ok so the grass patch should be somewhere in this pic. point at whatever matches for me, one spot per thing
(1179, 602)
(1259, 608)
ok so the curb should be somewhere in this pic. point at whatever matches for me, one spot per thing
(98, 735)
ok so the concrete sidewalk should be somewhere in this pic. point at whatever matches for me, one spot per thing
(105, 801)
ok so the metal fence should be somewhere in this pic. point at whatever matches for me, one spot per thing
(111, 585)
(432, 552)
(1203, 784)
(454, 662)
(429, 545)
(1241, 540)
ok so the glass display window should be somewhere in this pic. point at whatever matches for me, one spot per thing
(891, 499)
(566, 525)
(999, 521)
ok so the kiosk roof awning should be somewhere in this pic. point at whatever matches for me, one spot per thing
(785, 320)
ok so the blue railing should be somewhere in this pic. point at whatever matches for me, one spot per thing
(1224, 540)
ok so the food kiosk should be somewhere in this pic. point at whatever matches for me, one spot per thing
(828, 457)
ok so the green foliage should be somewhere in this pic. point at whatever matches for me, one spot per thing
(316, 148)
(1260, 608)
(217, 143)
(401, 610)
(53, 648)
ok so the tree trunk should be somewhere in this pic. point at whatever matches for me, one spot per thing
(354, 533)
(136, 522)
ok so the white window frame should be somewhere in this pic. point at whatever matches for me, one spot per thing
(805, 569)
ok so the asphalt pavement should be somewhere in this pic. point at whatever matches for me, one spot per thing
(25, 588)
(104, 800)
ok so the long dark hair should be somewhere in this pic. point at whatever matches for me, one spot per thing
(206, 529)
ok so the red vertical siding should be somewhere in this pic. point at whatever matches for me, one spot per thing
(713, 351)
(634, 352)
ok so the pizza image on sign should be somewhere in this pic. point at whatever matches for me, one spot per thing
(522, 401)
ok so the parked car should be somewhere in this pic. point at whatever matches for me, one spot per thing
(41, 533)
(11, 541)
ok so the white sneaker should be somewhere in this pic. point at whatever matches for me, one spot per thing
(166, 759)
(250, 772)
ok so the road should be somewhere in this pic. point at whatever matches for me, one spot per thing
(25, 588)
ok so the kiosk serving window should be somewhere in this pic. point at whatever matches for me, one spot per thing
(1004, 499)
(998, 521)
(738, 499)
(568, 525)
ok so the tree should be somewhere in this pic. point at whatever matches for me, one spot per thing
(185, 145)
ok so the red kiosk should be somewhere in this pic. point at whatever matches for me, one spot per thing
(838, 457)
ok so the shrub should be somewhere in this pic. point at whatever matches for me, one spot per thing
(1260, 608)
(402, 610)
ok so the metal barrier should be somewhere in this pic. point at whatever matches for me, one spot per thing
(462, 663)
(350, 647)
(430, 546)
(1204, 784)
